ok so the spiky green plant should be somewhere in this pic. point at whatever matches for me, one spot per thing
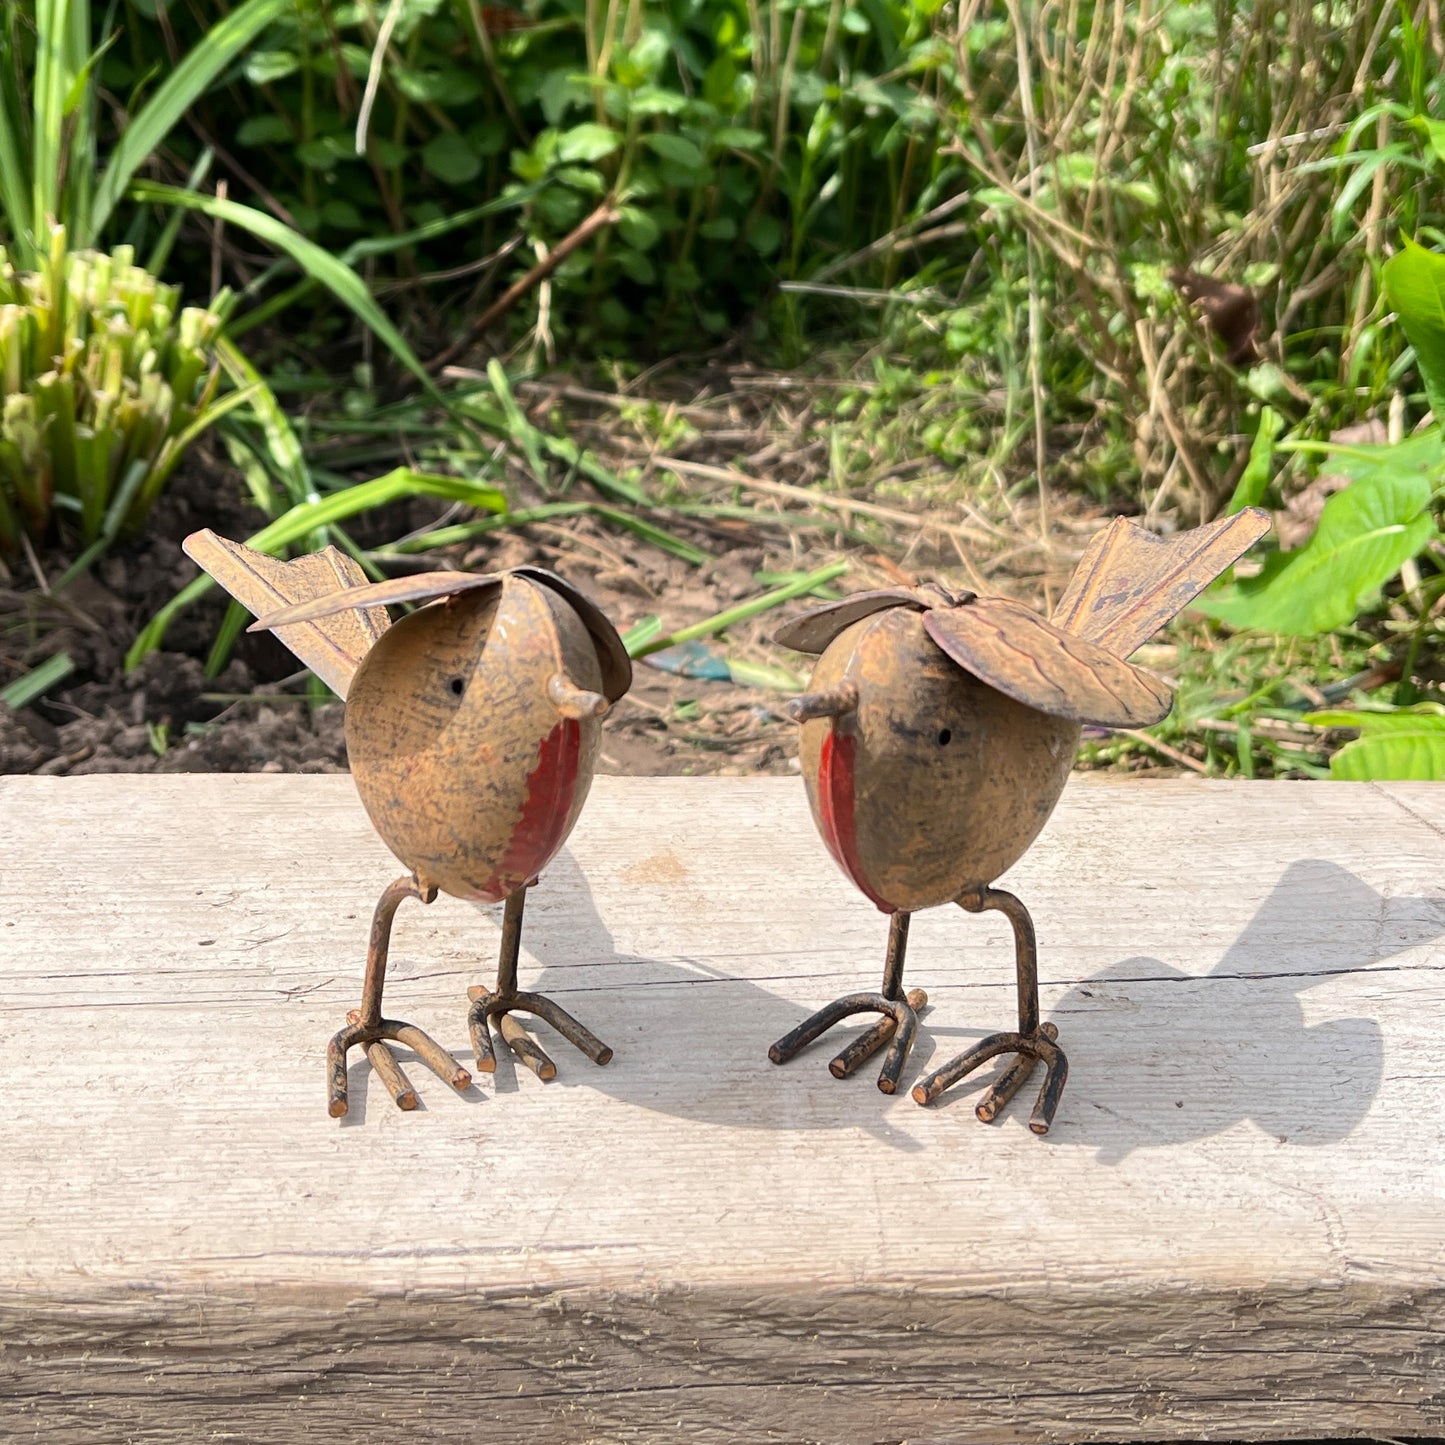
(52, 168)
(104, 381)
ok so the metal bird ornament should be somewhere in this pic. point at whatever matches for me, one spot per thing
(472, 732)
(937, 736)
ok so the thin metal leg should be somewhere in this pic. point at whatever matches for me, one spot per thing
(500, 1002)
(896, 1029)
(1033, 1043)
(367, 1028)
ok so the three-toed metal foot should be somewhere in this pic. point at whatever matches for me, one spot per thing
(501, 1002)
(372, 1038)
(1032, 1042)
(896, 1028)
(371, 1031)
(1030, 1050)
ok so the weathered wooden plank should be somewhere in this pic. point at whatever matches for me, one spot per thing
(1234, 1228)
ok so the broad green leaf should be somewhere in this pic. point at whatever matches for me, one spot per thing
(738, 138)
(451, 158)
(655, 100)
(1368, 720)
(1255, 477)
(637, 227)
(765, 235)
(265, 67)
(587, 142)
(320, 265)
(675, 148)
(264, 130)
(1408, 754)
(1415, 287)
(722, 229)
(1365, 534)
(141, 137)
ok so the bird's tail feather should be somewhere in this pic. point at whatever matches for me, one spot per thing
(1130, 582)
(332, 647)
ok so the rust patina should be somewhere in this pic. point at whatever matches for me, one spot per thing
(937, 735)
(472, 729)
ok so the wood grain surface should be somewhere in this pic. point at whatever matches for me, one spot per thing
(1235, 1229)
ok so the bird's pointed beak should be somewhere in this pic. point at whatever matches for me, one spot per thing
(833, 703)
(573, 701)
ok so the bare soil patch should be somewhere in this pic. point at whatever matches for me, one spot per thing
(744, 474)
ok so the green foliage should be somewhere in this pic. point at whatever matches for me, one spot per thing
(1414, 281)
(1383, 521)
(319, 266)
(1366, 533)
(106, 380)
(1406, 744)
(1254, 479)
(311, 517)
(745, 144)
(52, 170)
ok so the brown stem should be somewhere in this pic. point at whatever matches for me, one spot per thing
(603, 216)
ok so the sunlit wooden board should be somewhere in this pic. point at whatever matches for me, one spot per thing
(1235, 1230)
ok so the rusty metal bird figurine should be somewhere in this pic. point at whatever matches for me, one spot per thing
(937, 736)
(472, 732)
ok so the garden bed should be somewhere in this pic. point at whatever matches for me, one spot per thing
(730, 437)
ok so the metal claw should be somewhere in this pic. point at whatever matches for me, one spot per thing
(501, 1002)
(1033, 1041)
(897, 1028)
(856, 1054)
(366, 1027)
(1031, 1049)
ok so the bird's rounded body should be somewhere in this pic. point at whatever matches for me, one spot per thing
(469, 771)
(936, 783)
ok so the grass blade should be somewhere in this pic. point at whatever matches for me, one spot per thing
(38, 681)
(319, 264)
(300, 521)
(373, 246)
(522, 432)
(220, 45)
(721, 621)
(54, 70)
(282, 445)
(14, 191)
(650, 532)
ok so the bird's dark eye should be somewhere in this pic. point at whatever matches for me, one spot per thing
(458, 686)
(944, 737)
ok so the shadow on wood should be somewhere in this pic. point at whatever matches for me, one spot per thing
(732, 1020)
(1302, 1084)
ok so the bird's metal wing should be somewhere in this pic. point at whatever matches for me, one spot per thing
(612, 655)
(424, 587)
(813, 631)
(332, 650)
(1130, 582)
(1014, 650)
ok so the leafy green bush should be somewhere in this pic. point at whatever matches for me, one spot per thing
(744, 142)
(1385, 521)
(106, 380)
(54, 169)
